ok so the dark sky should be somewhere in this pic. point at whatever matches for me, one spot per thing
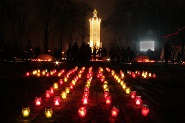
(104, 8)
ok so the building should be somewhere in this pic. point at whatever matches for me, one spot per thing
(94, 41)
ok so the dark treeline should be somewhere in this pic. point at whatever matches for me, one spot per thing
(137, 20)
(42, 22)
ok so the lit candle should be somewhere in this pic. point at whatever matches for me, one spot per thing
(57, 100)
(25, 111)
(127, 90)
(67, 90)
(48, 112)
(105, 86)
(106, 93)
(114, 111)
(27, 74)
(61, 81)
(82, 111)
(138, 100)
(71, 86)
(55, 85)
(124, 86)
(79, 75)
(108, 100)
(145, 110)
(154, 75)
(51, 90)
(47, 94)
(64, 95)
(47, 74)
(65, 79)
(38, 101)
(133, 95)
(85, 100)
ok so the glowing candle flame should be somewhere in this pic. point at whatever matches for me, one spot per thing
(82, 111)
(48, 112)
(38, 101)
(57, 100)
(133, 95)
(138, 100)
(145, 110)
(25, 111)
(47, 94)
(108, 100)
(114, 111)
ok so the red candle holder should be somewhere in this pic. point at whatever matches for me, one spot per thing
(71, 86)
(106, 93)
(86, 89)
(61, 81)
(114, 111)
(85, 94)
(47, 94)
(57, 100)
(38, 101)
(138, 100)
(82, 111)
(154, 75)
(133, 95)
(108, 100)
(145, 110)
(27, 74)
(51, 90)
(85, 100)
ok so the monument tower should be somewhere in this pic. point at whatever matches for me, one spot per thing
(95, 31)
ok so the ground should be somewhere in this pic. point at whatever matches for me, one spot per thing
(163, 94)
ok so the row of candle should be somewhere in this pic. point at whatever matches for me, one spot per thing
(143, 74)
(45, 72)
(72, 84)
(138, 100)
(107, 97)
(85, 97)
(48, 94)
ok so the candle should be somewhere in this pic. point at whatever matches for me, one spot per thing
(85, 100)
(106, 93)
(25, 111)
(57, 100)
(133, 95)
(114, 111)
(108, 100)
(47, 94)
(145, 110)
(61, 81)
(55, 85)
(48, 112)
(27, 74)
(138, 100)
(64, 95)
(38, 101)
(51, 90)
(127, 90)
(82, 111)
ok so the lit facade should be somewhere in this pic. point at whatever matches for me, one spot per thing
(95, 31)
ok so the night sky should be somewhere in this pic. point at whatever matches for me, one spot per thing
(133, 21)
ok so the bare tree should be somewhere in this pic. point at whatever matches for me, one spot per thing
(46, 9)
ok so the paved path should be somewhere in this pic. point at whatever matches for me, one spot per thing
(163, 94)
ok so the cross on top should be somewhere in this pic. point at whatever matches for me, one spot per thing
(95, 13)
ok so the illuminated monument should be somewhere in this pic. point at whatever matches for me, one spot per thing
(95, 31)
